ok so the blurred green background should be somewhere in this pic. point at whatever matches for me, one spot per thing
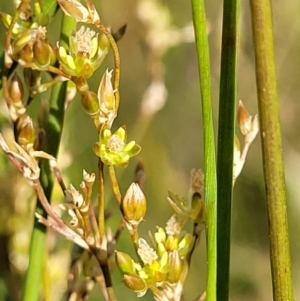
(166, 121)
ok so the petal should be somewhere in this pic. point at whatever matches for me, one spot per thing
(134, 151)
(128, 147)
(121, 132)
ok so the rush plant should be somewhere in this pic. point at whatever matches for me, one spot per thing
(32, 65)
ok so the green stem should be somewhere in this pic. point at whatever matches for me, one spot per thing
(53, 130)
(272, 150)
(228, 90)
(209, 145)
(114, 184)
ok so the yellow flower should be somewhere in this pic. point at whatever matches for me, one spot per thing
(86, 53)
(113, 149)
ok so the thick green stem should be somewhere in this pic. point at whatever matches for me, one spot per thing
(53, 129)
(227, 103)
(209, 145)
(272, 150)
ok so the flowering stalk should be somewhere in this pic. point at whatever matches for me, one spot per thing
(117, 62)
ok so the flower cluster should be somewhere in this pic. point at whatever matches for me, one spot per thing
(162, 266)
(86, 53)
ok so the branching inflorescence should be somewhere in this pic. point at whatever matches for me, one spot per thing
(163, 262)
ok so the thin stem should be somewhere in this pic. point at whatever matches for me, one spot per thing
(94, 225)
(58, 176)
(101, 203)
(134, 234)
(114, 184)
(117, 62)
(111, 294)
(210, 184)
(272, 149)
(101, 256)
(22, 6)
(63, 228)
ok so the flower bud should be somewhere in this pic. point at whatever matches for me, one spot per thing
(186, 244)
(134, 204)
(171, 242)
(90, 103)
(106, 94)
(27, 134)
(175, 267)
(136, 283)
(125, 263)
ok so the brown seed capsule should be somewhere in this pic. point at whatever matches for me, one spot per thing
(135, 283)
(42, 53)
(26, 54)
(27, 134)
(16, 90)
(90, 103)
